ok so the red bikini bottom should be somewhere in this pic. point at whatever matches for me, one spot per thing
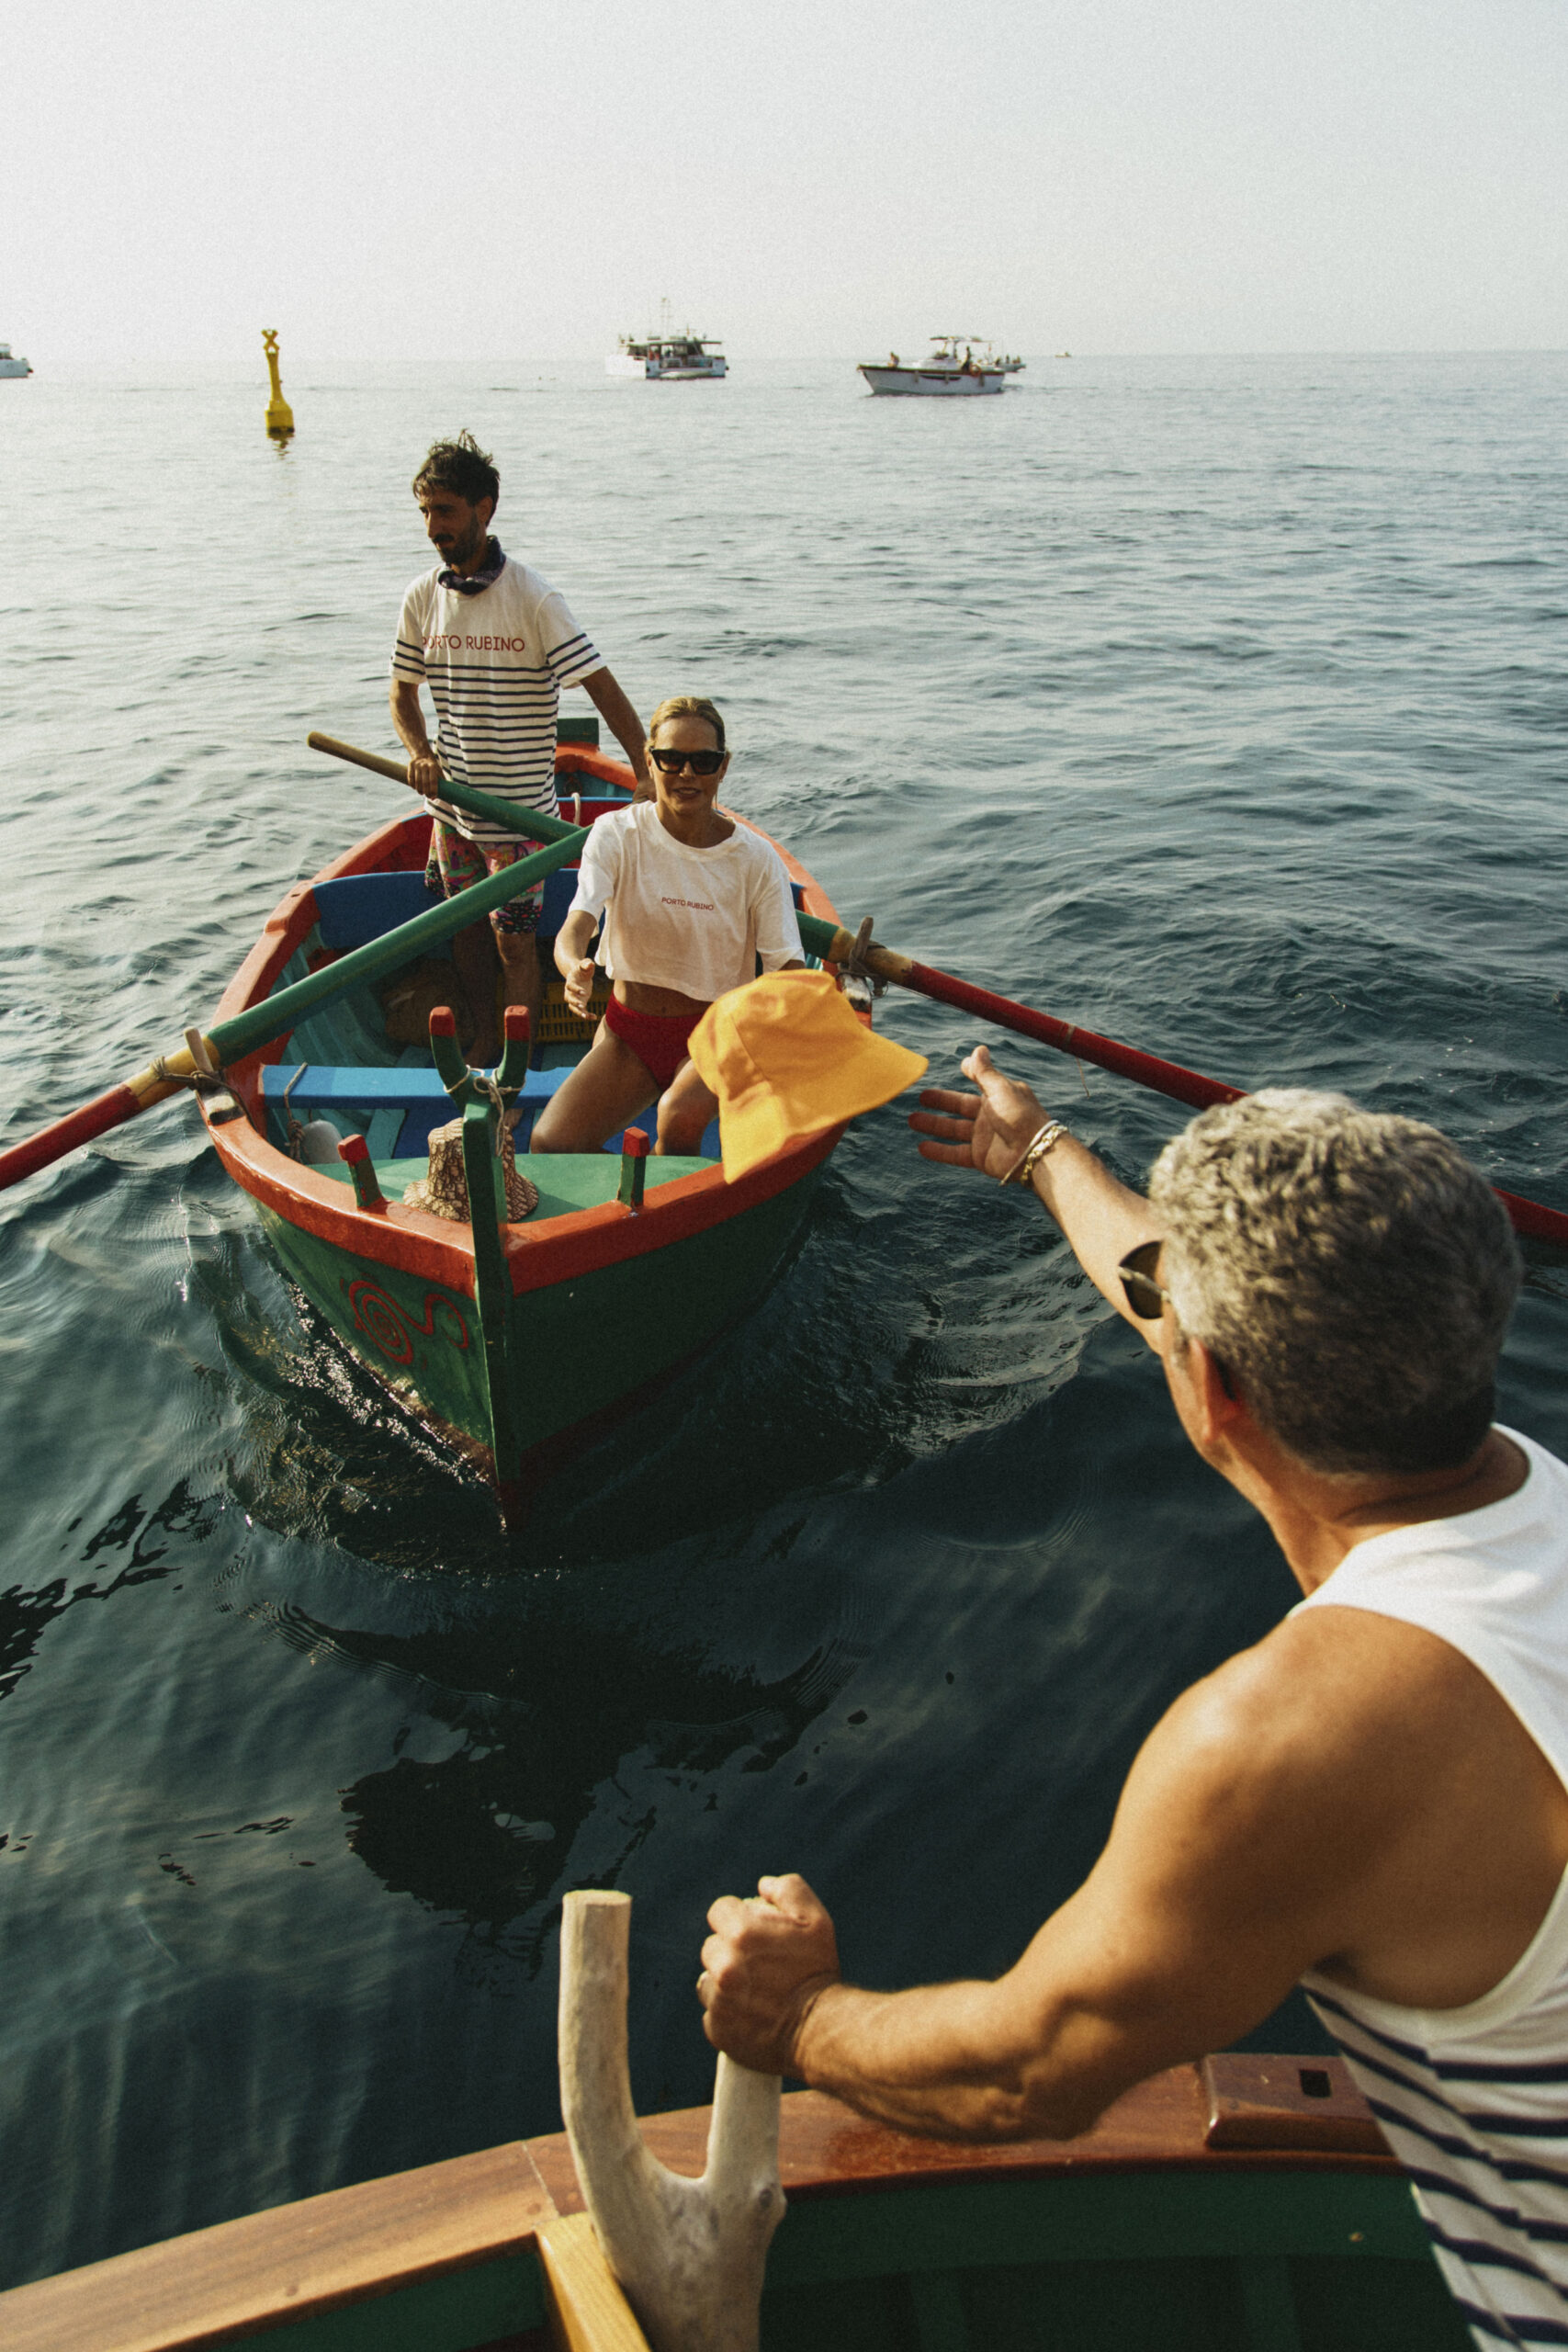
(657, 1039)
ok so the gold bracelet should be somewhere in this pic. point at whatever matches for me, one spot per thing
(1034, 1152)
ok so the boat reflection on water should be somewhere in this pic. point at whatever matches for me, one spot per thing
(547, 1720)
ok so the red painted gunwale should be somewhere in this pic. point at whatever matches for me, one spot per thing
(538, 1254)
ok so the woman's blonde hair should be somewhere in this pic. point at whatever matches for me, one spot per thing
(687, 707)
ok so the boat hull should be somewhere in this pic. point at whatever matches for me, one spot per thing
(1143, 2233)
(654, 371)
(580, 1313)
(934, 383)
(592, 1342)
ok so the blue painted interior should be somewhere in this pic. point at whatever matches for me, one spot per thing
(365, 1098)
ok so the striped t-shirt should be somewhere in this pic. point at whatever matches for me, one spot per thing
(1474, 2100)
(495, 664)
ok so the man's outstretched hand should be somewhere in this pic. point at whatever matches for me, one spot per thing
(766, 1965)
(990, 1131)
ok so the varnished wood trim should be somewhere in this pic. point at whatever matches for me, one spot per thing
(219, 2286)
(826, 2149)
(588, 2313)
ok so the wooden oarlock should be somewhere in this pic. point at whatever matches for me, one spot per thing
(689, 2254)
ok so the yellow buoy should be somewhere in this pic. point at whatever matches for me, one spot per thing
(279, 415)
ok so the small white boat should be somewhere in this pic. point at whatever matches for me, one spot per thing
(10, 366)
(950, 373)
(670, 357)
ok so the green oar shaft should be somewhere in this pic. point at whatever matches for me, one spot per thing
(504, 813)
(276, 1014)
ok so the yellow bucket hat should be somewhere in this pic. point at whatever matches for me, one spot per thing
(786, 1057)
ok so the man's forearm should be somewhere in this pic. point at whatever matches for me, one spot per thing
(929, 2061)
(407, 717)
(621, 719)
(1101, 1219)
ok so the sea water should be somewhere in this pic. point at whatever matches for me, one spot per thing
(1218, 705)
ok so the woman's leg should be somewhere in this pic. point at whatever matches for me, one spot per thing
(609, 1086)
(686, 1110)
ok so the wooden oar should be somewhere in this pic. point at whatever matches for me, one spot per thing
(276, 1014)
(504, 813)
(836, 946)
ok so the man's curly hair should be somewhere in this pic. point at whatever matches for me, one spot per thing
(1351, 1271)
(460, 466)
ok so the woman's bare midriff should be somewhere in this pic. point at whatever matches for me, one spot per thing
(638, 996)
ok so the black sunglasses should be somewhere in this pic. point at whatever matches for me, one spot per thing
(671, 763)
(1136, 1275)
(1147, 1297)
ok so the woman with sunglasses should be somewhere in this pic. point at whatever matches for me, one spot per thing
(689, 901)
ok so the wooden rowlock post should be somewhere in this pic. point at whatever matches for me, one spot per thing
(689, 2254)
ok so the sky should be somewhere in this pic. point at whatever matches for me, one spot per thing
(387, 183)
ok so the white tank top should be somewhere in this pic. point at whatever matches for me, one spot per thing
(1474, 2100)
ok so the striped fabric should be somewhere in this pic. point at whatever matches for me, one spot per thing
(1483, 2132)
(495, 664)
(1474, 2100)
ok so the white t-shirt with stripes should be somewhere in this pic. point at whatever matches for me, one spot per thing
(1474, 2100)
(495, 664)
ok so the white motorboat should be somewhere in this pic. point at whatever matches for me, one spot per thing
(954, 370)
(670, 357)
(10, 366)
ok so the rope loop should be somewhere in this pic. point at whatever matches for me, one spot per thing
(498, 1098)
(861, 983)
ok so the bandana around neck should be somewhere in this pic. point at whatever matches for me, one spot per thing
(486, 576)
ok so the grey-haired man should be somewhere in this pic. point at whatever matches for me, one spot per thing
(1372, 1801)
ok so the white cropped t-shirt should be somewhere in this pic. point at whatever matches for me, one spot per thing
(693, 920)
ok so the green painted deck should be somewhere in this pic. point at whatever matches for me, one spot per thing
(565, 1181)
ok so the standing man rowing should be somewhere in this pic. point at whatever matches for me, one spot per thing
(495, 644)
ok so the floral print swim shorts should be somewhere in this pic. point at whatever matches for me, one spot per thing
(455, 862)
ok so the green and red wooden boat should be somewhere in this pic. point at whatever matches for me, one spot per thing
(519, 1350)
(1246, 2206)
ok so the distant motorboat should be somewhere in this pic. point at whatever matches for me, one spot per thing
(10, 366)
(670, 356)
(945, 374)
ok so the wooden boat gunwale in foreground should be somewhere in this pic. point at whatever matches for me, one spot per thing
(879, 2223)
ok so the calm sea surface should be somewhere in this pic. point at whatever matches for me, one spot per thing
(1220, 704)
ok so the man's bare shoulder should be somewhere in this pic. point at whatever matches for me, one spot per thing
(1330, 1701)
(1317, 1668)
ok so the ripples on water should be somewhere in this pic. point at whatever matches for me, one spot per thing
(1218, 705)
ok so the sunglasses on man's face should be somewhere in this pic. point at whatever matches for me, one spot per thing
(1147, 1297)
(671, 763)
(1136, 1274)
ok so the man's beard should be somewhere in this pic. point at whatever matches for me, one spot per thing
(463, 550)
